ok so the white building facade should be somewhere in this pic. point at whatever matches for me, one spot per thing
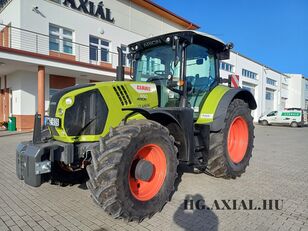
(272, 89)
(46, 45)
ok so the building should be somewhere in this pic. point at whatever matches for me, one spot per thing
(270, 87)
(46, 45)
(298, 91)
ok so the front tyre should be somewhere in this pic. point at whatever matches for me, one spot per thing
(134, 176)
(231, 148)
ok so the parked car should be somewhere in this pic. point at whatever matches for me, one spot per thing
(294, 117)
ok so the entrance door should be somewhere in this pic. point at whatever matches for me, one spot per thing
(269, 100)
(4, 104)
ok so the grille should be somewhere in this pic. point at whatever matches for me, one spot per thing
(87, 116)
(122, 95)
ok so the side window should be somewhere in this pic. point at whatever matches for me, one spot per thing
(273, 113)
(200, 73)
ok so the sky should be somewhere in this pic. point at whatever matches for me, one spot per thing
(272, 32)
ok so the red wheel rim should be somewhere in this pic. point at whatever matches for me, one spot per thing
(146, 190)
(238, 139)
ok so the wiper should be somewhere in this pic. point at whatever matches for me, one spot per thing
(84, 128)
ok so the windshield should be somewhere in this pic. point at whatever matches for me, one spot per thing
(156, 62)
(156, 65)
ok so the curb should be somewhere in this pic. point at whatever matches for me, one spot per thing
(14, 133)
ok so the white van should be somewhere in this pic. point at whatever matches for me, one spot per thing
(293, 117)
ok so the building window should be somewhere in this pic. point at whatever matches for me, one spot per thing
(60, 39)
(99, 49)
(249, 74)
(269, 95)
(306, 86)
(226, 67)
(125, 60)
(271, 81)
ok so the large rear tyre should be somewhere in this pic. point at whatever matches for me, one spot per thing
(231, 148)
(134, 175)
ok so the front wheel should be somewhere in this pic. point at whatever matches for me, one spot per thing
(231, 148)
(134, 175)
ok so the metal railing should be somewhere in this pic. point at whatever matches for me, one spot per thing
(26, 40)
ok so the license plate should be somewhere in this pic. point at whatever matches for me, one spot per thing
(52, 121)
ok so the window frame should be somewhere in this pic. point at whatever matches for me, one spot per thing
(99, 46)
(61, 37)
(226, 67)
(249, 74)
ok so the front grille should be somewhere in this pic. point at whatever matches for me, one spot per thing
(87, 116)
(55, 100)
(122, 95)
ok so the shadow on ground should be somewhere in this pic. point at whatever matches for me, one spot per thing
(193, 213)
(65, 178)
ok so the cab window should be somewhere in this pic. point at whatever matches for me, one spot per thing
(273, 113)
(200, 73)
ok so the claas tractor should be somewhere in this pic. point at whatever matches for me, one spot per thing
(130, 136)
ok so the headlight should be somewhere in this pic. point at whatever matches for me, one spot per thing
(69, 101)
(60, 111)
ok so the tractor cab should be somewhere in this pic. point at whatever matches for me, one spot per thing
(183, 65)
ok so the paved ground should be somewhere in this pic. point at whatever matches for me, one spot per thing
(278, 170)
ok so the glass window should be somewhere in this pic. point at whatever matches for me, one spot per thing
(273, 113)
(249, 74)
(94, 40)
(93, 53)
(200, 73)
(99, 49)
(156, 62)
(269, 95)
(271, 81)
(60, 39)
(226, 66)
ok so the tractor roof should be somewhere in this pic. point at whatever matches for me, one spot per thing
(193, 36)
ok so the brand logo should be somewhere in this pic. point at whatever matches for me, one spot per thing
(152, 43)
(143, 88)
(88, 7)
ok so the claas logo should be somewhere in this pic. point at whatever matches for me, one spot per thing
(143, 88)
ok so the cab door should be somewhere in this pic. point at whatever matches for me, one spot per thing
(200, 75)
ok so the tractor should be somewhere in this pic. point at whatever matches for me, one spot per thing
(131, 135)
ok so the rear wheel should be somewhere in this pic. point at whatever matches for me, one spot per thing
(231, 148)
(134, 175)
(294, 124)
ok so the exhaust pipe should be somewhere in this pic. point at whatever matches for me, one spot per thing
(120, 67)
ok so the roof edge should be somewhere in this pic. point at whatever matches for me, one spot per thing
(159, 10)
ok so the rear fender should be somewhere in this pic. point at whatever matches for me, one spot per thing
(229, 96)
(215, 106)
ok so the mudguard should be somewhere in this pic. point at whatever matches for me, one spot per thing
(215, 106)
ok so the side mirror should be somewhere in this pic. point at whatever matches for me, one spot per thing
(199, 61)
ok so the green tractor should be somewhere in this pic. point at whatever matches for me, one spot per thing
(131, 136)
